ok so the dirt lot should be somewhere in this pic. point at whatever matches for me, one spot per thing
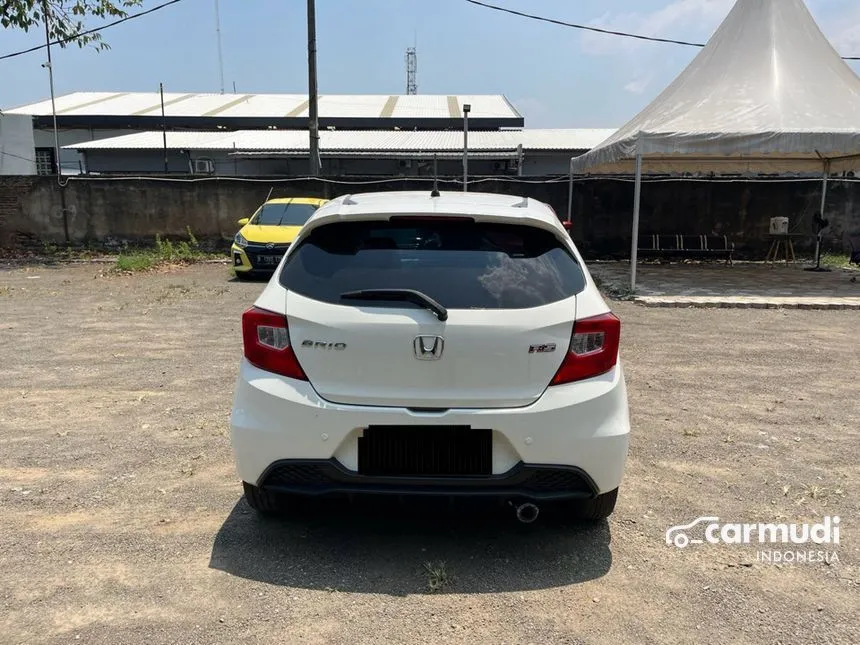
(123, 520)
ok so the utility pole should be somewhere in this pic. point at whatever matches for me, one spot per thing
(466, 109)
(50, 67)
(313, 108)
(163, 126)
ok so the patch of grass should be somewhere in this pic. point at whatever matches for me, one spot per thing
(132, 262)
(835, 260)
(613, 290)
(164, 252)
(437, 576)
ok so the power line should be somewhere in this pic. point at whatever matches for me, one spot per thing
(90, 31)
(585, 27)
(599, 30)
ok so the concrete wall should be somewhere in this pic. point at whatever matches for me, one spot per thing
(17, 152)
(134, 209)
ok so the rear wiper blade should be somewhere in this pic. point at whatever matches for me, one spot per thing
(407, 295)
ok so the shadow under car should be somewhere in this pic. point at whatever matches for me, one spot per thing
(377, 545)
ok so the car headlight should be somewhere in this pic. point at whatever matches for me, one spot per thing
(240, 240)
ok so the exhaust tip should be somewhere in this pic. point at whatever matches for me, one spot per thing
(527, 513)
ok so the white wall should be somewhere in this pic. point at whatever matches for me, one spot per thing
(17, 150)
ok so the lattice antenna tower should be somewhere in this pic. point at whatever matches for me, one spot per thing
(411, 70)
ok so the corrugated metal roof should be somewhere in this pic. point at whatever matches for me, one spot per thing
(355, 140)
(270, 105)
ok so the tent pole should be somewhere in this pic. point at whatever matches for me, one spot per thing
(570, 192)
(637, 195)
(824, 186)
(820, 221)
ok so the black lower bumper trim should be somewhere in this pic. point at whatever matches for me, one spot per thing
(523, 481)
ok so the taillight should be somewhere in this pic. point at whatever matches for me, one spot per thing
(593, 349)
(267, 343)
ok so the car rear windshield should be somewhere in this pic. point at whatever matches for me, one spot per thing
(460, 264)
(284, 214)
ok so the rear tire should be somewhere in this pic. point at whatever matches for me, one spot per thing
(596, 509)
(262, 501)
(244, 276)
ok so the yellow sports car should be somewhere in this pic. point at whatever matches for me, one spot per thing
(265, 236)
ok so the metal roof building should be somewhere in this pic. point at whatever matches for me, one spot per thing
(267, 134)
(373, 141)
(142, 110)
(344, 152)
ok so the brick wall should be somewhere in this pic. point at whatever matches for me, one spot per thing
(14, 193)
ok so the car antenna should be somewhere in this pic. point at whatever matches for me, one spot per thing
(266, 201)
(435, 191)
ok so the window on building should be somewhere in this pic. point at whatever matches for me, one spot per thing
(45, 161)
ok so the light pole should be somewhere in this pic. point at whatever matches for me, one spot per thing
(163, 128)
(313, 111)
(466, 109)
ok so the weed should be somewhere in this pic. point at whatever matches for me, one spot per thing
(835, 260)
(613, 290)
(815, 491)
(437, 576)
(134, 262)
(164, 252)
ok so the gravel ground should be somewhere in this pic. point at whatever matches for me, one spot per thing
(123, 520)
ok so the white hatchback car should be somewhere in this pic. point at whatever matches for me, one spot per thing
(423, 343)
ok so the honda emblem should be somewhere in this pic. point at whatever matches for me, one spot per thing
(428, 348)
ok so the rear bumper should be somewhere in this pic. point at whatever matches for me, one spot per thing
(524, 481)
(582, 427)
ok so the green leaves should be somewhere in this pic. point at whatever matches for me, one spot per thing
(66, 18)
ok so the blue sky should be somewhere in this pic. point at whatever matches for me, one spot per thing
(556, 76)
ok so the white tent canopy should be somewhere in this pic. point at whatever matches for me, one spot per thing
(767, 94)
